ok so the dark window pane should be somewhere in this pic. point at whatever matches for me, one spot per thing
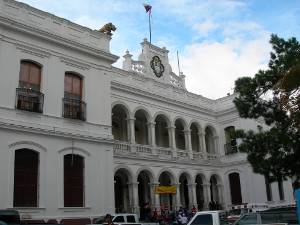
(73, 180)
(118, 219)
(26, 178)
(131, 219)
(203, 220)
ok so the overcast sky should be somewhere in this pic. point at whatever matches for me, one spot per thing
(218, 40)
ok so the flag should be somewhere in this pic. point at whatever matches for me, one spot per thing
(148, 8)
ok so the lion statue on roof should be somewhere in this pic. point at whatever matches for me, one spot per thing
(108, 28)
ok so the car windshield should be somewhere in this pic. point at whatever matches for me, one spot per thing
(235, 212)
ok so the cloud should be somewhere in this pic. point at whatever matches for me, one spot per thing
(211, 68)
(205, 27)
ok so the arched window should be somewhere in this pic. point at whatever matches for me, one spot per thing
(26, 178)
(235, 188)
(30, 76)
(73, 180)
(74, 107)
(231, 145)
(29, 97)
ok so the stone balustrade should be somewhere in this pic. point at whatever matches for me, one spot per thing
(137, 150)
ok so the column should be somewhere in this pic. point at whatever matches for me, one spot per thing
(192, 195)
(188, 142)
(216, 144)
(154, 197)
(134, 197)
(132, 134)
(202, 144)
(151, 132)
(206, 192)
(220, 195)
(172, 140)
(178, 202)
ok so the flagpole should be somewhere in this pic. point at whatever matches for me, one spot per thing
(150, 24)
(178, 64)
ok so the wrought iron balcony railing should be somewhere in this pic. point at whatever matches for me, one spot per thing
(29, 100)
(230, 149)
(74, 109)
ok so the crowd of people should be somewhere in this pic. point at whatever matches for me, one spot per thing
(169, 217)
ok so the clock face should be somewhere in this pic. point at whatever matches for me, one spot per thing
(157, 67)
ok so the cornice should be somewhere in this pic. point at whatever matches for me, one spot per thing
(54, 132)
(170, 161)
(42, 34)
(163, 99)
(33, 51)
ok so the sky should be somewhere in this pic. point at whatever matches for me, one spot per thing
(218, 40)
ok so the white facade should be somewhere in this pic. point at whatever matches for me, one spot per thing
(60, 46)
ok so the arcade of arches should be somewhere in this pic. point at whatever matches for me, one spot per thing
(133, 193)
(140, 129)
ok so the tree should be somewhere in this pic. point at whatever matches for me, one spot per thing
(273, 95)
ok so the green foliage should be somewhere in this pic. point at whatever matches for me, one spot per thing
(273, 95)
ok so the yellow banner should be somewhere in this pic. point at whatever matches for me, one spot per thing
(165, 190)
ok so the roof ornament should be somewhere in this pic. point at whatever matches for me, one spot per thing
(108, 28)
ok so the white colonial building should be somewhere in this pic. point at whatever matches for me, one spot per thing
(79, 137)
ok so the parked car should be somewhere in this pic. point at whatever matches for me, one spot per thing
(12, 217)
(269, 217)
(209, 218)
(123, 219)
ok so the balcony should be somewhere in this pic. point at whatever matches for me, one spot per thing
(29, 100)
(230, 149)
(74, 109)
(126, 149)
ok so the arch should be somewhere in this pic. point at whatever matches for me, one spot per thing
(144, 179)
(183, 121)
(123, 178)
(215, 191)
(187, 174)
(195, 130)
(126, 170)
(32, 61)
(218, 178)
(162, 133)
(180, 136)
(197, 123)
(202, 176)
(42, 151)
(148, 170)
(212, 127)
(123, 105)
(141, 127)
(164, 115)
(74, 150)
(210, 134)
(166, 178)
(75, 74)
(147, 112)
(184, 183)
(27, 144)
(200, 180)
(120, 122)
(169, 172)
